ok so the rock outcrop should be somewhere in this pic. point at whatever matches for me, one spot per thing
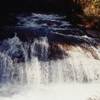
(36, 5)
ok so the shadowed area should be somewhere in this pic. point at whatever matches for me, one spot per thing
(36, 5)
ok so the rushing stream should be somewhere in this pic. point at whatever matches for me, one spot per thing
(48, 68)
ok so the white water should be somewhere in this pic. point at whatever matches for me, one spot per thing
(56, 92)
(75, 77)
(28, 73)
(42, 20)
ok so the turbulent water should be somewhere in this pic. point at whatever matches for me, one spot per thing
(45, 69)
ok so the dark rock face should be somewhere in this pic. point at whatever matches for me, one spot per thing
(36, 5)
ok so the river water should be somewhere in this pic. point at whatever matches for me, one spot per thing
(58, 62)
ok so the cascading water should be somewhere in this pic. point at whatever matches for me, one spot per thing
(33, 63)
(21, 61)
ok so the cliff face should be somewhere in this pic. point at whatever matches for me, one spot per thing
(44, 5)
(63, 6)
(36, 5)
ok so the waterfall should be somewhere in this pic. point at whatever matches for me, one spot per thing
(24, 63)
(48, 59)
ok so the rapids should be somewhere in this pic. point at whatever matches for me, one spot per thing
(46, 67)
